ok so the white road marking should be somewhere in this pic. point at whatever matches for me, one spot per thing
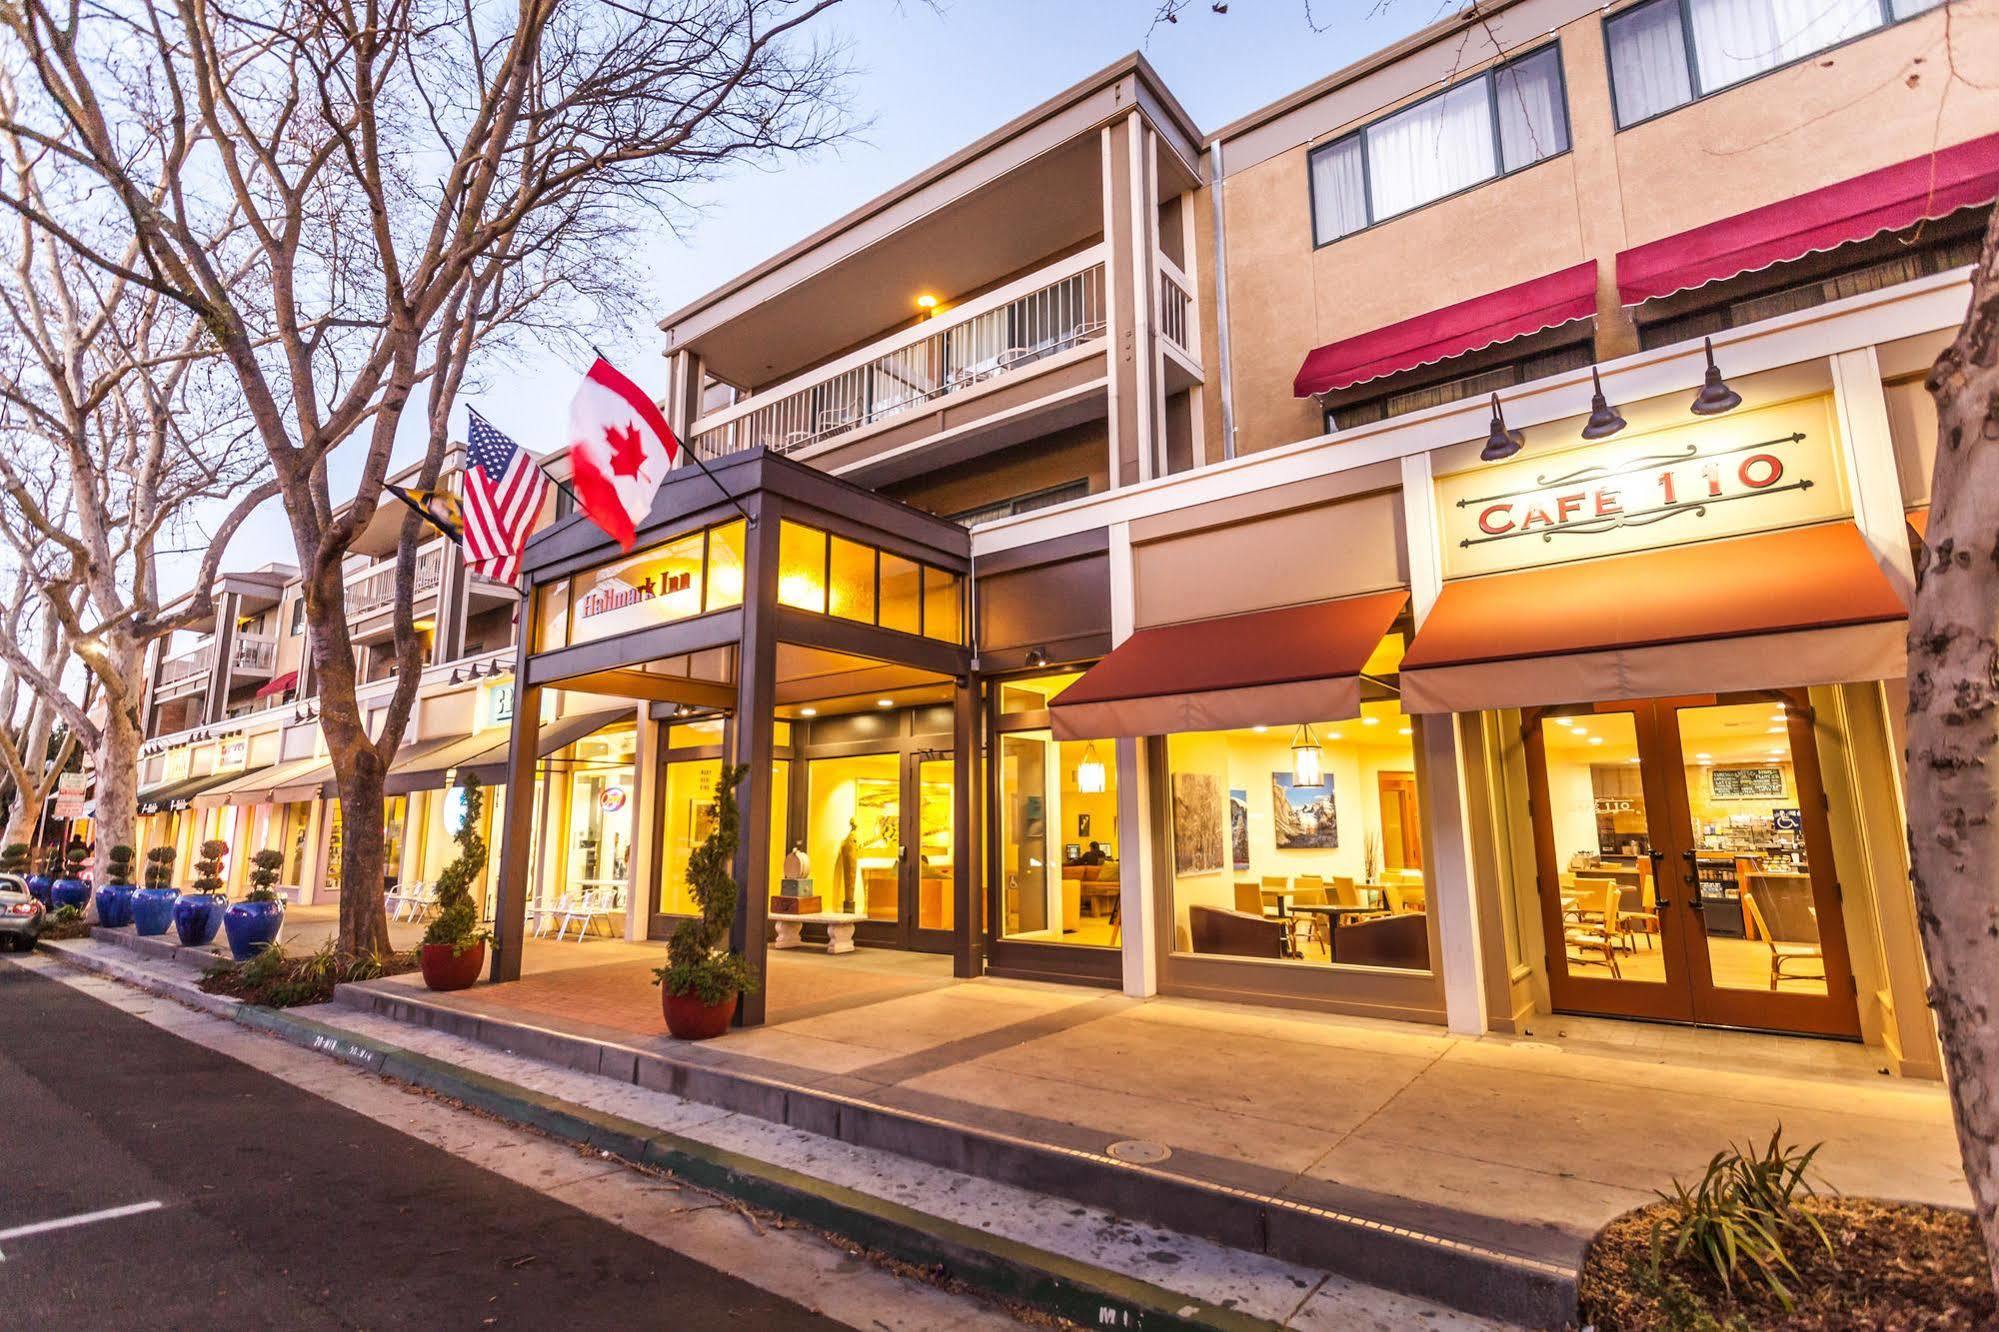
(81, 1219)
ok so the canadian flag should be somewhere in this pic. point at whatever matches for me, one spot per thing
(620, 449)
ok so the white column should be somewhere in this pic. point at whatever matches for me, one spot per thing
(640, 865)
(1136, 915)
(1452, 882)
(1868, 451)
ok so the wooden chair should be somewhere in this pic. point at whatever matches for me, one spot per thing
(1248, 897)
(1781, 908)
(1595, 929)
(1310, 890)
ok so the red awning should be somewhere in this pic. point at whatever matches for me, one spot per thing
(1804, 606)
(1454, 330)
(1931, 186)
(278, 685)
(1265, 668)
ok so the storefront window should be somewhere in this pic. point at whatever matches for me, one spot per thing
(1034, 695)
(832, 575)
(902, 594)
(851, 587)
(801, 567)
(936, 820)
(943, 610)
(601, 782)
(1272, 861)
(395, 815)
(725, 565)
(689, 817)
(853, 832)
(1059, 841)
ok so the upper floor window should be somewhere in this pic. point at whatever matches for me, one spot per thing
(1509, 117)
(298, 617)
(1666, 53)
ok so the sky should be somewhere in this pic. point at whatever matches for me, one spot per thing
(930, 79)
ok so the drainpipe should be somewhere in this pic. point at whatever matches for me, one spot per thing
(1222, 305)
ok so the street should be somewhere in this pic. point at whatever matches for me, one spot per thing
(231, 1197)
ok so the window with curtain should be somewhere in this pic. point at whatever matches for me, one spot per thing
(1507, 118)
(1665, 53)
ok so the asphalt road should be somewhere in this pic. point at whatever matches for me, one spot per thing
(279, 1209)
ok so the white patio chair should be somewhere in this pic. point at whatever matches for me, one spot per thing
(546, 915)
(594, 905)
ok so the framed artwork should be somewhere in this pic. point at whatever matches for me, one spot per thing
(1303, 818)
(1198, 818)
(1239, 828)
(1082, 825)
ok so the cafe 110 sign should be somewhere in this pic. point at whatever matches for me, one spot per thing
(1754, 472)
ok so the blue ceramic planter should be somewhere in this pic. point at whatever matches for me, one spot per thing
(70, 892)
(197, 917)
(252, 927)
(153, 909)
(38, 888)
(114, 905)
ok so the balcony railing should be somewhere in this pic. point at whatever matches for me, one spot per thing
(196, 661)
(372, 591)
(252, 654)
(995, 335)
(1176, 306)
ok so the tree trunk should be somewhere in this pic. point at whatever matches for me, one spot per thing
(364, 924)
(116, 818)
(1954, 734)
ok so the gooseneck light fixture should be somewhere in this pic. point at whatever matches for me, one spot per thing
(1090, 772)
(1501, 443)
(1604, 420)
(1715, 396)
(1308, 761)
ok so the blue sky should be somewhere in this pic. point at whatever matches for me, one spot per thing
(930, 80)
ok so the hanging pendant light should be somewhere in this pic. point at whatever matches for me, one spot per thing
(1715, 396)
(1604, 420)
(1308, 762)
(1501, 443)
(1090, 776)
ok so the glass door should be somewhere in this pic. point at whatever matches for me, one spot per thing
(1612, 924)
(930, 862)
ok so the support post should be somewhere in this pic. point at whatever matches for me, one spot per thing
(753, 744)
(968, 939)
(510, 912)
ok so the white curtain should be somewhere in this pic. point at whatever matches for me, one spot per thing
(1734, 39)
(1648, 61)
(1339, 190)
(1532, 121)
(1430, 150)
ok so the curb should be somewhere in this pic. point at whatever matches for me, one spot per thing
(994, 1266)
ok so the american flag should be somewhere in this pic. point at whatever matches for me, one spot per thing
(504, 488)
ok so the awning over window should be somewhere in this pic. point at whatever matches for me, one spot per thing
(422, 766)
(490, 764)
(171, 796)
(1801, 607)
(1454, 330)
(216, 796)
(1888, 199)
(278, 685)
(1266, 668)
(281, 783)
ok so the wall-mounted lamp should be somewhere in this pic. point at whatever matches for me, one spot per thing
(1604, 420)
(455, 678)
(1715, 396)
(1308, 761)
(1501, 443)
(1037, 657)
(1090, 776)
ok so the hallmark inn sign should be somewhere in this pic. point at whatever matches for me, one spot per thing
(1746, 472)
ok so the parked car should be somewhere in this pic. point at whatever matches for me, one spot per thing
(21, 916)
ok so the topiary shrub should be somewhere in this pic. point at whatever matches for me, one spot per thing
(160, 867)
(457, 922)
(208, 869)
(14, 858)
(697, 958)
(265, 865)
(76, 857)
(118, 865)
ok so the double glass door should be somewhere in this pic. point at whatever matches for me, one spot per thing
(1685, 864)
(880, 833)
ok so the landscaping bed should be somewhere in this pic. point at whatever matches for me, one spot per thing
(1905, 1266)
(277, 979)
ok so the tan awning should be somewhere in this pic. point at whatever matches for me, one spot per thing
(1265, 668)
(424, 765)
(219, 795)
(281, 783)
(1802, 607)
(178, 795)
(489, 765)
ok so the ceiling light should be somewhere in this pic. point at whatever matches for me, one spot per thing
(1405, 731)
(1603, 418)
(1500, 442)
(1370, 721)
(884, 702)
(1090, 772)
(1259, 730)
(1703, 756)
(1308, 763)
(1596, 739)
(927, 303)
(808, 712)
(1715, 396)
(1565, 721)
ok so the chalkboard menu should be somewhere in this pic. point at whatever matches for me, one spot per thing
(1747, 783)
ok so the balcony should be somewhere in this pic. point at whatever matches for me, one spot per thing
(1002, 335)
(253, 655)
(187, 672)
(375, 589)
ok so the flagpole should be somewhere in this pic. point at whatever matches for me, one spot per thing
(538, 465)
(687, 447)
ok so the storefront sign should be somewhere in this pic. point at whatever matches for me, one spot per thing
(499, 703)
(71, 788)
(612, 800)
(658, 586)
(178, 761)
(233, 753)
(1729, 476)
(1747, 783)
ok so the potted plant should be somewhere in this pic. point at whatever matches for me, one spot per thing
(40, 882)
(114, 899)
(454, 947)
(702, 980)
(253, 923)
(198, 915)
(14, 860)
(153, 905)
(72, 889)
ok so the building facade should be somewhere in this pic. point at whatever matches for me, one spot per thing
(1436, 548)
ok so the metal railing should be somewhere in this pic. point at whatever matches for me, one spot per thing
(253, 653)
(1176, 305)
(195, 661)
(988, 343)
(372, 591)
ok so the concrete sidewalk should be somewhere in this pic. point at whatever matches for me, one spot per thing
(1520, 1147)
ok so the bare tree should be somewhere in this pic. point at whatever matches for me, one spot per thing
(110, 396)
(36, 744)
(414, 181)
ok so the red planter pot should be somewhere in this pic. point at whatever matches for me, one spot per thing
(443, 971)
(688, 1019)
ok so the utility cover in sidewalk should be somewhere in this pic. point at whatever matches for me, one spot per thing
(1139, 1153)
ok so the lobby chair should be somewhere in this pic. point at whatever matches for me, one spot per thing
(1593, 937)
(1781, 907)
(1236, 933)
(1401, 941)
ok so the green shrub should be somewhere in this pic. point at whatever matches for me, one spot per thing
(66, 922)
(457, 923)
(76, 857)
(1742, 1214)
(118, 865)
(697, 958)
(14, 858)
(208, 869)
(160, 867)
(264, 875)
(278, 979)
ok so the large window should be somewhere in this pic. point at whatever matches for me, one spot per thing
(830, 575)
(1510, 117)
(1666, 53)
(1310, 858)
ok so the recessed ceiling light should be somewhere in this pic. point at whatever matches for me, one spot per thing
(1370, 721)
(1596, 739)
(808, 712)
(1259, 729)
(1405, 731)
(1332, 735)
(884, 702)
(1778, 730)
(1565, 721)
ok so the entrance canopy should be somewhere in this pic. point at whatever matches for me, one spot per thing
(1295, 663)
(179, 795)
(488, 760)
(1782, 609)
